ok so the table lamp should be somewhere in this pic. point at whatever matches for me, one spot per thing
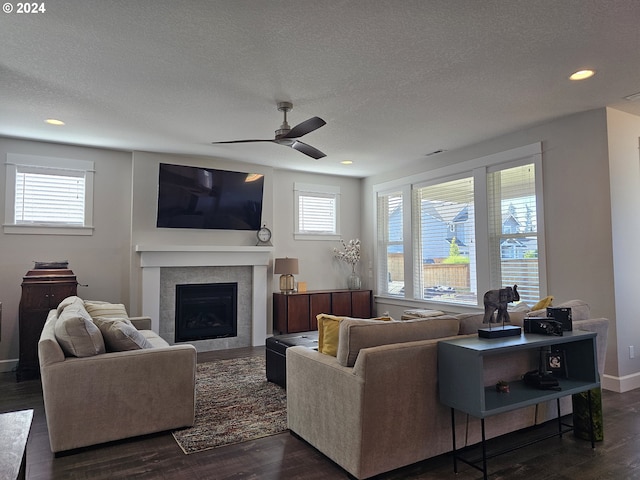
(287, 268)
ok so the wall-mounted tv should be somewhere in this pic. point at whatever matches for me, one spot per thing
(205, 198)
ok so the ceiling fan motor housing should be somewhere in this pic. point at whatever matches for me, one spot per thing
(284, 128)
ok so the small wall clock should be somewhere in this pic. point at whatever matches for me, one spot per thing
(264, 236)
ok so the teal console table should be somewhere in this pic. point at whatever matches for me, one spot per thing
(461, 364)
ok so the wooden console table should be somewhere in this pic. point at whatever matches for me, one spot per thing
(14, 433)
(296, 312)
(461, 375)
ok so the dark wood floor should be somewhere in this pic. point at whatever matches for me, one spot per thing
(284, 456)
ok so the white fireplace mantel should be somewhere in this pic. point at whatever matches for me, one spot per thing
(155, 257)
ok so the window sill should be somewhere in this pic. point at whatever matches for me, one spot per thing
(307, 236)
(46, 230)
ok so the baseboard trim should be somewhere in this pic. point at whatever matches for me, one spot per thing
(621, 384)
(8, 365)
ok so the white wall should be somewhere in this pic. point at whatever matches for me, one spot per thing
(101, 261)
(144, 211)
(317, 265)
(624, 177)
(577, 208)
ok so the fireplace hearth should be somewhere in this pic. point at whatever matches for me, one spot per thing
(206, 311)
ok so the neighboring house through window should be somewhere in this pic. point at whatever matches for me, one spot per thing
(438, 242)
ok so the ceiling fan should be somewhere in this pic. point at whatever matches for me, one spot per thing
(288, 136)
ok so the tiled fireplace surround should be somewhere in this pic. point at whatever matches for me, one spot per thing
(165, 266)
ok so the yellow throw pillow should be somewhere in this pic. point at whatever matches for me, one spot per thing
(544, 303)
(328, 329)
(329, 332)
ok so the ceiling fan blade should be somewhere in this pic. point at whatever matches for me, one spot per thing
(243, 141)
(308, 150)
(305, 127)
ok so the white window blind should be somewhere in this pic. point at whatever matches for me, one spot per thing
(444, 250)
(466, 228)
(317, 211)
(513, 230)
(317, 214)
(49, 196)
(390, 243)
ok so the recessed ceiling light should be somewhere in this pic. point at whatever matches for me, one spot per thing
(346, 162)
(582, 75)
(53, 121)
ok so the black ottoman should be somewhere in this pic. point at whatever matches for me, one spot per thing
(276, 348)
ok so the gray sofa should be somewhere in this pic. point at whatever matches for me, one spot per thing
(374, 407)
(95, 394)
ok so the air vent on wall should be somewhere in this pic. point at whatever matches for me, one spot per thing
(633, 97)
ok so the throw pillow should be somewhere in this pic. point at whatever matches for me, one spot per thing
(68, 301)
(356, 334)
(328, 328)
(120, 335)
(329, 331)
(105, 309)
(543, 303)
(77, 334)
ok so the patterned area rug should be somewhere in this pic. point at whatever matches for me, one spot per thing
(234, 403)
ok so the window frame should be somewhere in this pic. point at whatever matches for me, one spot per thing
(16, 160)
(318, 191)
(478, 168)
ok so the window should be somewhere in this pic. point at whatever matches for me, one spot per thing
(316, 211)
(444, 253)
(513, 230)
(391, 243)
(48, 195)
(454, 233)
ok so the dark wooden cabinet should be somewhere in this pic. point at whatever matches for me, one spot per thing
(42, 290)
(296, 312)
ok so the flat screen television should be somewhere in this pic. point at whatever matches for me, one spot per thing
(205, 198)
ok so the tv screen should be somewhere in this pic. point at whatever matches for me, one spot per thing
(205, 198)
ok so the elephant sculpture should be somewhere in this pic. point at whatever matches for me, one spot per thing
(498, 300)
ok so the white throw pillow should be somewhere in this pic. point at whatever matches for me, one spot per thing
(105, 309)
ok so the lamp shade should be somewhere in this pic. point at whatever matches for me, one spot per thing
(286, 266)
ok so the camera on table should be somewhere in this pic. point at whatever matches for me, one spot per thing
(543, 326)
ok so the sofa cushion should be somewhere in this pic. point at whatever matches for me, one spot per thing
(76, 333)
(105, 309)
(328, 331)
(356, 334)
(580, 310)
(68, 301)
(120, 335)
(470, 323)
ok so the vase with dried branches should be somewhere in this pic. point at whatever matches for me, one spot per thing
(350, 254)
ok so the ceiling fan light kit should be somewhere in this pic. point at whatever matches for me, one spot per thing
(288, 136)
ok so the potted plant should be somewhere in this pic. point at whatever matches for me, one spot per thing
(350, 254)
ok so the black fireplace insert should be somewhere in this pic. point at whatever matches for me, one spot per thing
(206, 311)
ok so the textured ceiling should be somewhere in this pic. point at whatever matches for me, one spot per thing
(394, 79)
